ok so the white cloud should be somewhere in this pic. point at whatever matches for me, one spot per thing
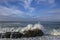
(10, 12)
(51, 1)
(49, 15)
(14, 12)
(25, 3)
(48, 1)
(53, 11)
(39, 1)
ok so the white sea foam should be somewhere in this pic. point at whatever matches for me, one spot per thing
(31, 27)
(55, 32)
(19, 29)
(38, 26)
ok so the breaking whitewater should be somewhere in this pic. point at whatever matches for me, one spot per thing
(51, 30)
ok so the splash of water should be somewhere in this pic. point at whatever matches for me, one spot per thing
(38, 26)
(55, 32)
(32, 27)
(29, 27)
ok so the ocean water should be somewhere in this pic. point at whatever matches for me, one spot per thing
(52, 29)
(36, 38)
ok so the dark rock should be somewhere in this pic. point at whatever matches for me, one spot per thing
(2, 35)
(11, 35)
(33, 33)
(7, 34)
(29, 33)
(16, 35)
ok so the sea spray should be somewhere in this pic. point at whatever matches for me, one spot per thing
(33, 27)
(18, 29)
(38, 26)
(29, 27)
(55, 32)
(7, 29)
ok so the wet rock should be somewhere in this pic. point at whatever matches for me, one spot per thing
(7, 34)
(2, 35)
(33, 33)
(11, 35)
(16, 35)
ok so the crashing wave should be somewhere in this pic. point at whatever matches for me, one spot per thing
(38, 26)
(28, 31)
(29, 27)
(55, 32)
(32, 27)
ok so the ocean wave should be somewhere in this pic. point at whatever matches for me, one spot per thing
(31, 27)
(55, 32)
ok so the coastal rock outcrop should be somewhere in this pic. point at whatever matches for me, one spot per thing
(29, 31)
(11, 35)
(33, 33)
(16, 35)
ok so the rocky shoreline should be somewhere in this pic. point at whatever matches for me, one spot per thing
(34, 38)
(28, 33)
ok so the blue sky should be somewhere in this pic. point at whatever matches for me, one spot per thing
(27, 10)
